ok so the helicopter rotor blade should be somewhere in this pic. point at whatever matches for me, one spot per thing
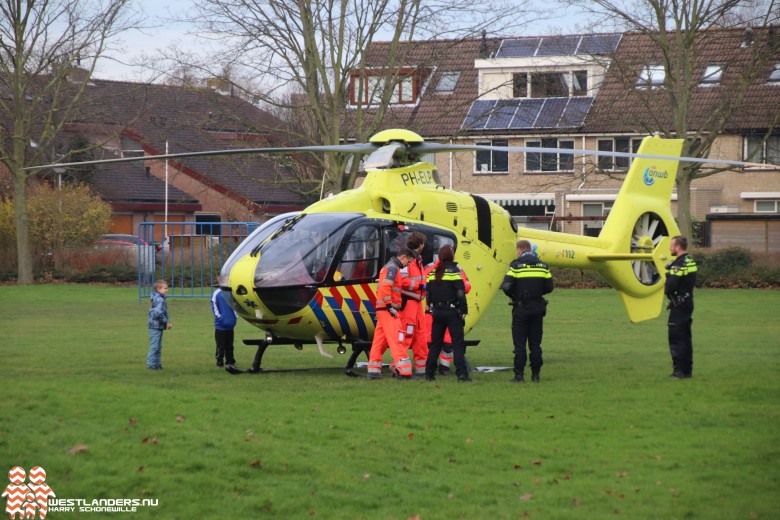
(356, 148)
(424, 148)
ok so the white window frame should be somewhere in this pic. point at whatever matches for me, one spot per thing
(606, 207)
(448, 81)
(553, 142)
(491, 164)
(713, 74)
(651, 76)
(774, 76)
(617, 163)
(775, 208)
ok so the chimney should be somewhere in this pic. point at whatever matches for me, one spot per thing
(748, 37)
(483, 48)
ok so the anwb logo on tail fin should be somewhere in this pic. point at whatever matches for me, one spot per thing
(652, 174)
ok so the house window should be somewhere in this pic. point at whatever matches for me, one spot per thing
(404, 90)
(492, 161)
(651, 76)
(774, 76)
(617, 144)
(712, 75)
(579, 83)
(550, 161)
(598, 211)
(762, 149)
(549, 84)
(767, 206)
(130, 148)
(448, 81)
(520, 85)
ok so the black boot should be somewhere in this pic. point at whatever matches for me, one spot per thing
(519, 378)
(535, 377)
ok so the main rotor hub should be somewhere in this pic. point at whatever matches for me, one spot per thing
(396, 134)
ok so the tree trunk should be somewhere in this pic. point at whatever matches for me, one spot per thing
(684, 202)
(23, 252)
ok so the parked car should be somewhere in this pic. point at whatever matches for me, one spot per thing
(133, 245)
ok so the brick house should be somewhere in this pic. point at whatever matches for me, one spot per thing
(124, 119)
(595, 92)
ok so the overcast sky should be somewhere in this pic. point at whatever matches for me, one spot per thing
(163, 33)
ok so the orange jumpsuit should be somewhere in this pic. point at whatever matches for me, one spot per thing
(387, 332)
(445, 358)
(413, 315)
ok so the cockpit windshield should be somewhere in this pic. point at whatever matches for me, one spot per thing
(302, 251)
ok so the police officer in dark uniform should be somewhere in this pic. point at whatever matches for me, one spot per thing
(680, 280)
(446, 297)
(526, 282)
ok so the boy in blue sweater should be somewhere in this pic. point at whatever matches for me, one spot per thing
(158, 322)
(224, 322)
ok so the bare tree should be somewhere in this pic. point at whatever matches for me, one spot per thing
(676, 37)
(302, 56)
(48, 51)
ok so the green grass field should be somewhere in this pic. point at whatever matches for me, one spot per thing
(606, 434)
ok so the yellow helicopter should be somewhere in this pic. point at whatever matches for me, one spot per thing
(310, 277)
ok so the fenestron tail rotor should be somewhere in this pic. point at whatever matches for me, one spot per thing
(649, 230)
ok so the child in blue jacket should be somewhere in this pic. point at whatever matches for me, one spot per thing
(158, 322)
(224, 322)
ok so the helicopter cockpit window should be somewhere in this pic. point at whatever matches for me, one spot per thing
(255, 239)
(301, 252)
(361, 256)
(438, 242)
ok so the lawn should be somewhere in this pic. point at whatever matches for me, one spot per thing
(606, 434)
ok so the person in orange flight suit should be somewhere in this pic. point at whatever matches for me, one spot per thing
(413, 313)
(445, 358)
(387, 332)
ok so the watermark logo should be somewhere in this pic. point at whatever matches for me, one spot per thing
(30, 499)
(35, 499)
(651, 174)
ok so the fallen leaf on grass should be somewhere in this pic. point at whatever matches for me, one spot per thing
(414, 517)
(469, 440)
(79, 448)
(149, 440)
(527, 496)
(622, 474)
(411, 436)
(255, 463)
(537, 462)
(140, 469)
(133, 421)
(575, 501)
(179, 418)
(518, 466)
(366, 476)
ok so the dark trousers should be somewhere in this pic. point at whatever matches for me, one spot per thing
(444, 319)
(527, 328)
(224, 352)
(681, 339)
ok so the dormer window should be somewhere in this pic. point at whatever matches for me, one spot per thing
(367, 88)
(651, 76)
(774, 76)
(550, 84)
(712, 75)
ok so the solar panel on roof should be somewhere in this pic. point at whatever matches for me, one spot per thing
(502, 115)
(527, 112)
(599, 44)
(558, 46)
(518, 48)
(551, 112)
(575, 112)
(478, 115)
